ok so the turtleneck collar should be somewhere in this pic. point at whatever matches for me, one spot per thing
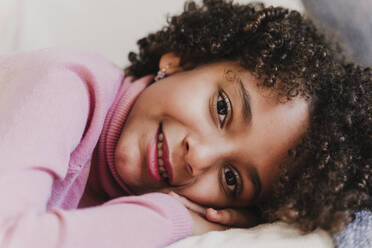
(113, 126)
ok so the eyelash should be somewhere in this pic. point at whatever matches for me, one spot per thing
(222, 97)
(234, 190)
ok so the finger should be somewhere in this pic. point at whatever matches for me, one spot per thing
(195, 207)
(232, 217)
(174, 194)
(218, 216)
(189, 204)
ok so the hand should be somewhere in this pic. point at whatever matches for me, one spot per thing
(234, 217)
(228, 217)
(197, 212)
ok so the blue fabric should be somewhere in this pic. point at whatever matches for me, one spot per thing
(358, 234)
(352, 20)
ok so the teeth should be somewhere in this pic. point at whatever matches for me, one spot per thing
(160, 153)
(160, 146)
(162, 171)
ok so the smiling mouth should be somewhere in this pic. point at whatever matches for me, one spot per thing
(160, 152)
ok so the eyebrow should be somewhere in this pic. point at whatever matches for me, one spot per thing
(246, 105)
(253, 174)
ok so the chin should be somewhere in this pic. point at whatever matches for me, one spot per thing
(128, 168)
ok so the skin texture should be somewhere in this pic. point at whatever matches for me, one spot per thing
(203, 144)
(293, 57)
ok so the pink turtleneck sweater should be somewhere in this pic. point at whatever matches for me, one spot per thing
(55, 107)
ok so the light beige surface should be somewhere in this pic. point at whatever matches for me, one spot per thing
(109, 27)
(277, 235)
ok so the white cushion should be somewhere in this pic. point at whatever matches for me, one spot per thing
(276, 235)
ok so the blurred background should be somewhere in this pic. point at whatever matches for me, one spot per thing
(351, 21)
(112, 27)
(108, 27)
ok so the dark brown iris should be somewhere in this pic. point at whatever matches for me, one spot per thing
(230, 178)
(221, 107)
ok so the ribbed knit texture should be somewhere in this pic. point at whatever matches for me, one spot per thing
(178, 221)
(112, 129)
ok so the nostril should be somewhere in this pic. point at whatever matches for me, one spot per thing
(187, 146)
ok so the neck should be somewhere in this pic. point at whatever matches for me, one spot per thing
(104, 172)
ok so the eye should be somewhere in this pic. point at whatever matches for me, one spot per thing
(223, 107)
(232, 180)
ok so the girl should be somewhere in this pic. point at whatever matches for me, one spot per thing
(252, 113)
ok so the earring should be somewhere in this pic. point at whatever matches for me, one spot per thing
(161, 73)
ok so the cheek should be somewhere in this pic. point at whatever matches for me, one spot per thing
(206, 191)
(191, 98)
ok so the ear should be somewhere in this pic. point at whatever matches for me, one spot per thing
(170, 62)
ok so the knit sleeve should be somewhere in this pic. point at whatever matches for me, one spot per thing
(152, 220)
(44, 108)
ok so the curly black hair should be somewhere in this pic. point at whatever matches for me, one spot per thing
(293, 56)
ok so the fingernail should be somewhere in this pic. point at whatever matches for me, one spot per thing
(213, 211)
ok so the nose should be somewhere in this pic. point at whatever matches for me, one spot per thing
(201, 155)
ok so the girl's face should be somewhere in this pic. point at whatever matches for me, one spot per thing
(223, 138)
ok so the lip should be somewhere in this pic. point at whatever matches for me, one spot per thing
(167, 164)
(152, 158)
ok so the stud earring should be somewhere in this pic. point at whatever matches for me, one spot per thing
(161, 73)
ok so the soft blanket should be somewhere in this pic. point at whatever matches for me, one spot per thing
(275, 235)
